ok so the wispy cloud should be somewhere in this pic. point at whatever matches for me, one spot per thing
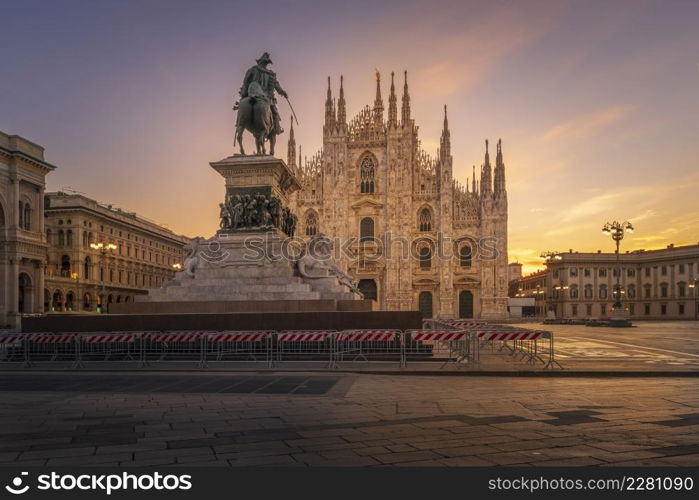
(587, 124)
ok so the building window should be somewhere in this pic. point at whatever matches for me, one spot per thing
(85, 242)
(86, 269)
(574, 292)
(603, 309)
(646, 271)
(603, 291)
(586, 272)
(631, 292)
(573, 272)
(555, 273)
(27, 217)
(663, 290)
(681, 289)
(663, 270)
(425, 304)
(366, 229)
(311, 224)
(574, 310)
(681, 268)
(69, 238)
(646, 309)
(425, 258)
(588, 309)
(65, 266)
(465, 256)
(588, 292)
(646, 291)
(367, 172)
(680, 308)
(602, 273)
(615, 272)
(425, 220)
(61, 238)
(663, 309)
(630, 273)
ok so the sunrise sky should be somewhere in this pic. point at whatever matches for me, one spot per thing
(597, 103)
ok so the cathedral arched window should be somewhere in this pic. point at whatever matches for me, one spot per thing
(425, 220)
(366, 229)
(465, 256)
(311, 224)
(367, 174)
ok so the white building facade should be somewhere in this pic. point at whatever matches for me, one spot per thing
(412, 235)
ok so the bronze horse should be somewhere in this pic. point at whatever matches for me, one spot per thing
(255, 115)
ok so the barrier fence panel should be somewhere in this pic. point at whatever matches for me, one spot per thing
(525, 344)
(47, 347)
(368, 345)
(303, 345)
(107, 346)
(448, 346)
(238, 346)
(173, 345)
(12, 346)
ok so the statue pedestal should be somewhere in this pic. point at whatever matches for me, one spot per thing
(250, 258)
(250, 175)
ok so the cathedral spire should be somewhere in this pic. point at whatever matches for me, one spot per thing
(300, 162)
(329, 111)
(473, 180)
(486, 184)
(445, 141)
(392, 108)
(341, 106)
(378, 102)
(499, 181)
(405, 110)
(291, 148)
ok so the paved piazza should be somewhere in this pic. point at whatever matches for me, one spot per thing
(649, 345)
(157, 419)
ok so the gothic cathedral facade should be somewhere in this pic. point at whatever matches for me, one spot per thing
(412, 236)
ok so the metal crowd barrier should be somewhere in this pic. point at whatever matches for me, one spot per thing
(451, 342)
(368, 346)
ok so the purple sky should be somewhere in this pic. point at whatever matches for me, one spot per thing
(596, 102)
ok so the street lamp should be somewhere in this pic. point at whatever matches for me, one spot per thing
(693, 286)
(616, 231)
(103, 249)
(177, 266)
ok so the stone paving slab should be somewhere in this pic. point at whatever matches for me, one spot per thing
(361, 420)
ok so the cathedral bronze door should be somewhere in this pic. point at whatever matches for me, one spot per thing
(424, 303)
(368, 289)
(465, 304)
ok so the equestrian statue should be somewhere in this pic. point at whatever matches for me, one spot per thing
(257, 108)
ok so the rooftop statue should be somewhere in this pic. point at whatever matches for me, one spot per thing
(257, 108)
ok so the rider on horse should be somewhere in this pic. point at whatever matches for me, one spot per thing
(267, 80)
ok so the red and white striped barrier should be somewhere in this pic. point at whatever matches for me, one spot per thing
(508, 335)
(48, 338)
(184, 336)
(109, 337)
(305, 335)
(11, 339)
(439, 335)
(366, 335)
(237, 336)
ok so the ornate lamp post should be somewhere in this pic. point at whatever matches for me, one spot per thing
(616, 231)
(103, 249)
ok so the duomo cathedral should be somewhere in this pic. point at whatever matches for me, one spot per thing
(412, 236)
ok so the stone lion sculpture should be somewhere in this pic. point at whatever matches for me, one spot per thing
(317, 262)
(191, 262)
